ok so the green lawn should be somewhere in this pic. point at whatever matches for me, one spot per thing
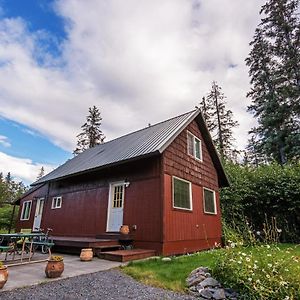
(171, 275)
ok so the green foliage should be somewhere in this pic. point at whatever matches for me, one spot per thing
(10, 190)
(91, 134)
(170, 275)
(5, 216)
(260, 272)
(219, 120)
(274, 64)
(56, 258)
(258, 195)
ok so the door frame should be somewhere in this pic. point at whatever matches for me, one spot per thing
(37, 207)
(111, 185)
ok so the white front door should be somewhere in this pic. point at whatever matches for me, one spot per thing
(115, 207)
(38, 214)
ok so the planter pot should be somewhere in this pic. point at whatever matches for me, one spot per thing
(3, 276)
(54, 268)
(86, 254)
(124, 229)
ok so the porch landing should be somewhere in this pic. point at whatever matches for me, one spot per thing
(106, 247)
(126, 255)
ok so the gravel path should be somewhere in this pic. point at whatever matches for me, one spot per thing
(107, 285)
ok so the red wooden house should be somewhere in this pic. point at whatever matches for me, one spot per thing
(163, 181)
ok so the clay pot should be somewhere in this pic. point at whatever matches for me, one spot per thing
(124, 229)
(86, 254)
(54, 268)
(3, 276)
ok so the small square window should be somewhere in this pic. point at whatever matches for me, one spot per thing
(56, 202)
(182, 194)
(194, 146)
(26, 208)
(209, 200)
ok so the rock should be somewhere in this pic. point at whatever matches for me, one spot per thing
(219, 294)
(210, 282)
(166, 259)
(201, 270)
(206, 294)
(195, 280)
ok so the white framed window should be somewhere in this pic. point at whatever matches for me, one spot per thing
(56, 202)
(194, 146)
(182, 194)
(26, 209)
(209, 201)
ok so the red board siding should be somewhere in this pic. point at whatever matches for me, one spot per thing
(189, 231)
(177, 162)
(85, 200)
(194, 228)
(39, 193)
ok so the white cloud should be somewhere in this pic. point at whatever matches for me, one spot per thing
(139, 61)
(4, 141)
(22, 169)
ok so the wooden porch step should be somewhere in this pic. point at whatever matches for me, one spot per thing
(127, 255)
(100, 249)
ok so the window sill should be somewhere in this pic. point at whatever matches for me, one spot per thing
(182, 209)
(210, 213)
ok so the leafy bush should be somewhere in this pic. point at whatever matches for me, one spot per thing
(260, 272)
(5, 216)
(261, 194)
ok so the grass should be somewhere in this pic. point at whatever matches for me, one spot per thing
(172, 275)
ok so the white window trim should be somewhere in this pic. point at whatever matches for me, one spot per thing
(54, 201)
(190, 190)
(215, 202)
(22, 212)
(194, 148)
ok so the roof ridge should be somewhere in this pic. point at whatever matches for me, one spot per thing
(161, 122)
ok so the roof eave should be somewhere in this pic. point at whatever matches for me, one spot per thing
(151, 154)
(222, 177)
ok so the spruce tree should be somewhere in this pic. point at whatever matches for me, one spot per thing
(41, 173)
(219, 121)
(91, 134)
(274, 71)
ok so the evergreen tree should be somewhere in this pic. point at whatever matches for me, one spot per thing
(10, 190)
(91, 134)
(274, 70)
(219, 121)
(41, 173)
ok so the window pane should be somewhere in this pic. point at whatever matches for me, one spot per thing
(209, 201)
(190, 144)
(197, 149)
(118, 196)
(26, 210)
(181, 194)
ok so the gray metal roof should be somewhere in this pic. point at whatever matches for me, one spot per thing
(148, 141)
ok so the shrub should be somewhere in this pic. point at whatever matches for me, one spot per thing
(261, 194)
(56, 258)
(261, 272)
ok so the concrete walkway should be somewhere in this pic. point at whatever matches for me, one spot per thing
(34, 273)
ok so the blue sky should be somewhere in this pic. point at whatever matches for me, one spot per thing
(140, 62)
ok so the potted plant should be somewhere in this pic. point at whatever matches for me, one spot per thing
(3, 274)
(55, 266)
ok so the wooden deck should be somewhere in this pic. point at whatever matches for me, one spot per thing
(127, 255)
(106, 247)
(69, 244)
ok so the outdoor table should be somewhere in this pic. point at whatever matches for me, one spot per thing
(14, 237)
